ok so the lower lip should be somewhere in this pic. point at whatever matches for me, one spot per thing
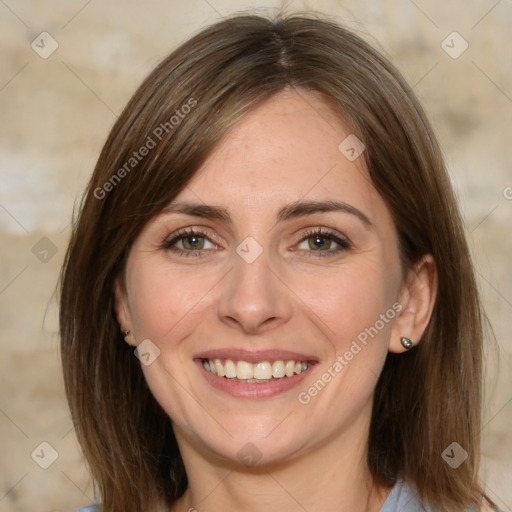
(252, 390)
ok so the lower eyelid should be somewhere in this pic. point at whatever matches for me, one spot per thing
(325, 253)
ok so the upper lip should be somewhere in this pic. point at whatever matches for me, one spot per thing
(254, 356)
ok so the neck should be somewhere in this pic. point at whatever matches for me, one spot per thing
(332, 477)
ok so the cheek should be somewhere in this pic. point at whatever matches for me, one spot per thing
(349, 300)
(161, 297)
(350, 309)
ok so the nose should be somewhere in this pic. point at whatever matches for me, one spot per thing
(253, 297)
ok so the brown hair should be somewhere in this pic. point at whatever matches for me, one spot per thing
(424, 400)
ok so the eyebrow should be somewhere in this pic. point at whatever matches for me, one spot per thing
(290, 211)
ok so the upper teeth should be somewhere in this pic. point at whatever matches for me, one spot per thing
(258, 371)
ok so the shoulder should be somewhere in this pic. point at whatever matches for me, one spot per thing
(403, 498)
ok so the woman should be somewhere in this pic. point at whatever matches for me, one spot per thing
(267, 301)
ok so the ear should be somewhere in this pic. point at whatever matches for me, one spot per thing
(417, 298)
(122, 311)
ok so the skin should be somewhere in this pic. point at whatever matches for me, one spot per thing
(313, 456)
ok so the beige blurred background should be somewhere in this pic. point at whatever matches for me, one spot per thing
(57, 108)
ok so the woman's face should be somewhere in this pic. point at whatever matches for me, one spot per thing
(279, 265)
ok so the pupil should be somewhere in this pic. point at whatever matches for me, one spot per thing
(193, 241)
(321, 242)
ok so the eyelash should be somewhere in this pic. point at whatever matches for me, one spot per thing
(342, 242)
(185, 233)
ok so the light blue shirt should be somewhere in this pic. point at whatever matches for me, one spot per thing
(402, 498)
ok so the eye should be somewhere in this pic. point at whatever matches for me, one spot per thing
(189, 242)
(323, 241)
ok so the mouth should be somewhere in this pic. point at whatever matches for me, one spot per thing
(254, 375)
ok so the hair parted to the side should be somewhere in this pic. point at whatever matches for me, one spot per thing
(425, 399)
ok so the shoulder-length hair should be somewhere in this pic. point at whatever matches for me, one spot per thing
(424, 400)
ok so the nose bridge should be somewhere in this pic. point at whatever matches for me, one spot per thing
(252, 297)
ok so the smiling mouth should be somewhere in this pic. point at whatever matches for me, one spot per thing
(258, 373)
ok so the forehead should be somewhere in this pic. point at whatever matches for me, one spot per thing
(285, 149)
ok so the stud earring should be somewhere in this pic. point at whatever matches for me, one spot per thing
(406, 343)
(125, 334)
